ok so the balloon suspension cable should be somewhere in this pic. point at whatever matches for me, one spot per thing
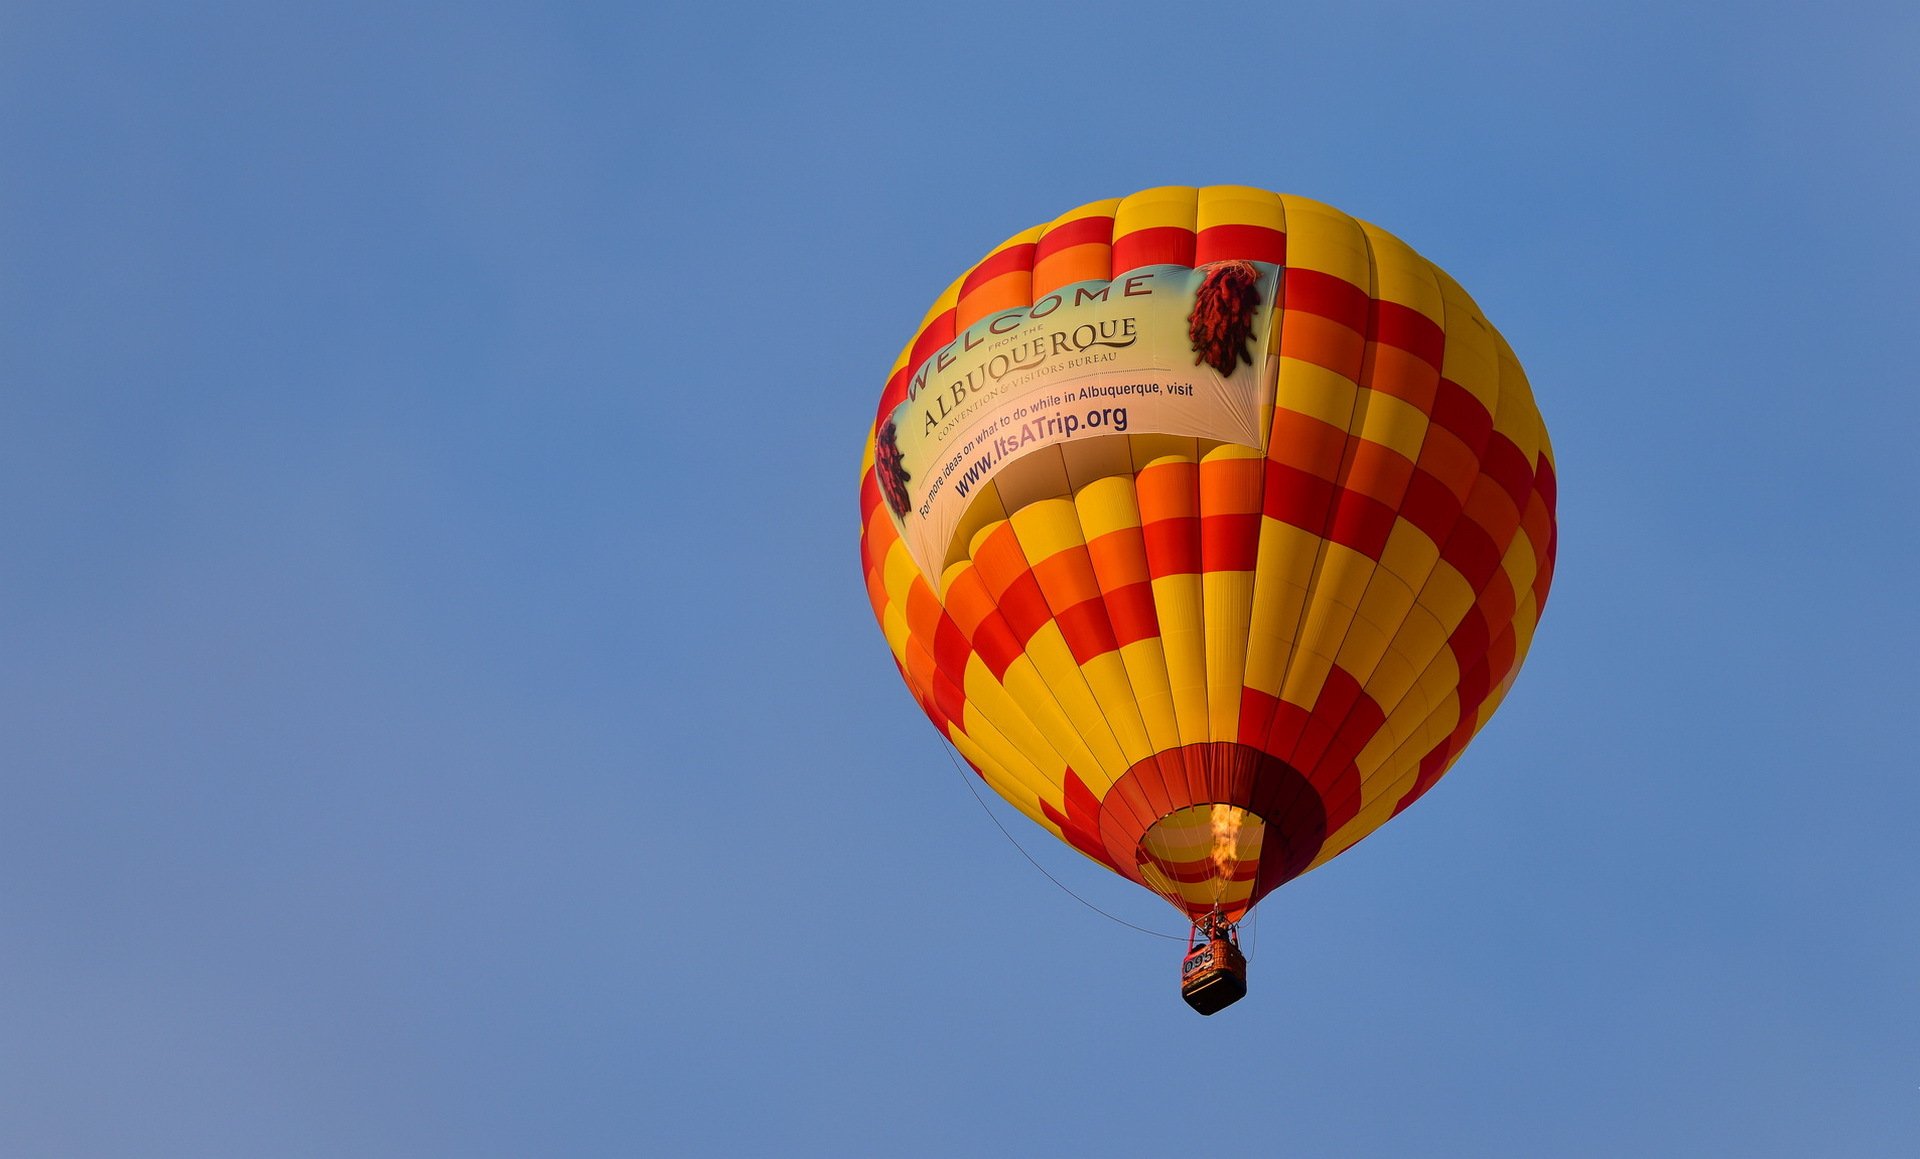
(1216, 924)
(968, 781)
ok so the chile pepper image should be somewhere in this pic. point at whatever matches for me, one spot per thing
(891, 470)
(1222, 318)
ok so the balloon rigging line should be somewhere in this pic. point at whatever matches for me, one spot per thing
(964, 779)
(1250, 921)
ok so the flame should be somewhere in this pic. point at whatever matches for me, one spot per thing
(1226, 842)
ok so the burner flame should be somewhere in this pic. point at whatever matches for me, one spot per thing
(1226, 842)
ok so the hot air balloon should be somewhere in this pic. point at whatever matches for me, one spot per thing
(1208, 525)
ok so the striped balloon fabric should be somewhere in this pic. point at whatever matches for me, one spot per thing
(1208, 665)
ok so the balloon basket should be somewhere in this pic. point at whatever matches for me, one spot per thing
(1214, 974)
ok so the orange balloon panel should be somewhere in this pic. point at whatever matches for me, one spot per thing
(1209, 525)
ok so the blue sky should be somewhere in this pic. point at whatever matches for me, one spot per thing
(440, 715)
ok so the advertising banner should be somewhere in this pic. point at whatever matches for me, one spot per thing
(1158, 350)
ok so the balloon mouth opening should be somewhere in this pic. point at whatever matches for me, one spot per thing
(1204, 858)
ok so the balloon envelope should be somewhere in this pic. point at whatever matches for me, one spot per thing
(1209, 525)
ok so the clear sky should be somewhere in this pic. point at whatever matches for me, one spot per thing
(439, 710)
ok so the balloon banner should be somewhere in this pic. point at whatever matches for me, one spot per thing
(1134, 355)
